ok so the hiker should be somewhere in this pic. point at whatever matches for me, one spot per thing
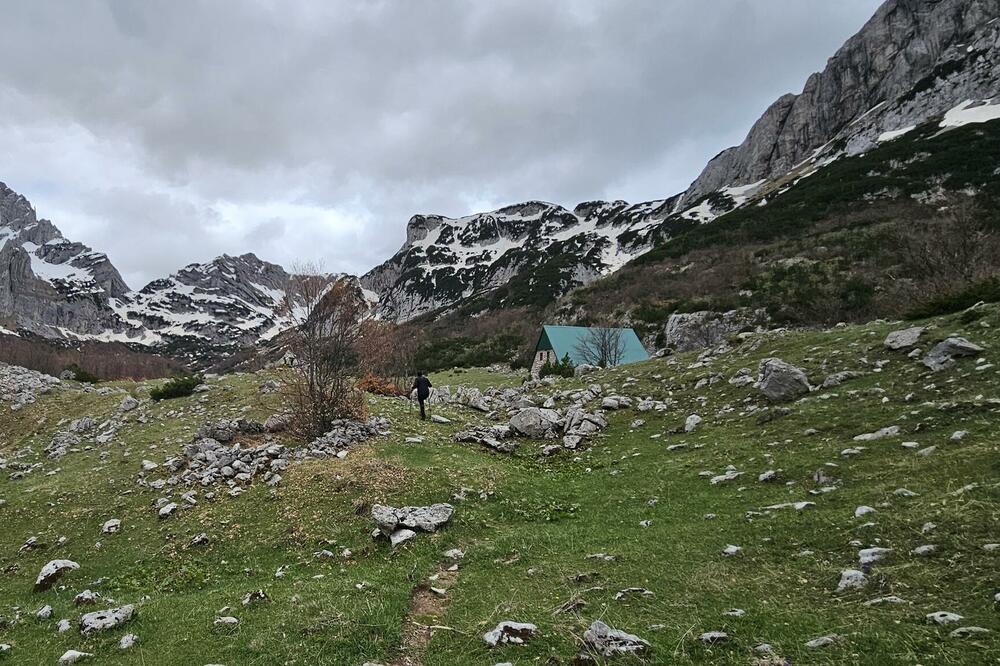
(422, 386)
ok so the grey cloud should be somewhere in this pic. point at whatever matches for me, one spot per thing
(217, 114)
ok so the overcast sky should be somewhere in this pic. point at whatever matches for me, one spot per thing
(168, 132)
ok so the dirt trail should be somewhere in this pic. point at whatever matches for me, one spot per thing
(428, 604)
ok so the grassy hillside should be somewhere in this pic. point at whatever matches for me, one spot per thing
(528, 523)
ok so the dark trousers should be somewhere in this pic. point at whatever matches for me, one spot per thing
(423, 415)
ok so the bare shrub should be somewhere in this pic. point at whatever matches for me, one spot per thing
(942, 255)
(326, 342)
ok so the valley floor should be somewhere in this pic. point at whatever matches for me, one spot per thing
(528, 523)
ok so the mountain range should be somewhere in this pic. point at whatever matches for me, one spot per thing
(917, 69)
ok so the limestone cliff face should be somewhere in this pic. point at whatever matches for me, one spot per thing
(915, 58)
(48, 284)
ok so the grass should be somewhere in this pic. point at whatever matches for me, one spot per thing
(527, 523)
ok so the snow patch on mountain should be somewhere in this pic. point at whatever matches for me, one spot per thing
(972, 111)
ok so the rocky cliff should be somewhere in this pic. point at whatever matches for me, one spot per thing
(445, 260)
(48, 284)
(913, 60)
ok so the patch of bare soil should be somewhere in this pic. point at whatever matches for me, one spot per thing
(428, 604)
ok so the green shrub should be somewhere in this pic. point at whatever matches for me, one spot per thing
(81, 375)
(563, 368)
(987, 291)
(464, 352)
(178, 387)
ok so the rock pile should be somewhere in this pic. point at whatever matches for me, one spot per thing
(495, 437)
(20, 386)
(213, 456)
(402, 524)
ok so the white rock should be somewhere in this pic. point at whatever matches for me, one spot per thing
(889, 431)
(515, 633)
(401, 535)
(73, 656)
(851, 579)
(943, 617)
(862, 511)
(968, 632)
(872, 555)
(823, 641)
(111, 526)
(52, 572)
(111, 618)
(891, 599)
(713, 637)
(127, 641)
(691, 422)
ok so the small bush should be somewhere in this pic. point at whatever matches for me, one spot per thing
(81, 375)
(372, 383)
(987, 291)
(563, 368)
(178, 387)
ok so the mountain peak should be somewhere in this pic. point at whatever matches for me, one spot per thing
(905, 65)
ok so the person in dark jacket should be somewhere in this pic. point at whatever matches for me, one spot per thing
(422, 386)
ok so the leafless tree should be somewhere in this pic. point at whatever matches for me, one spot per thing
(945, 254)
(603, 346)
(387, 356)
(328, 327)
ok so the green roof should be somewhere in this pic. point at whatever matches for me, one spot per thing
(564, 340)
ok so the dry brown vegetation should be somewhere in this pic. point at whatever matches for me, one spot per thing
(105, 360)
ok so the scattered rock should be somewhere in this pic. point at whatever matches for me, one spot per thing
(127, 404)
(863, 511)
(903, 339)
(536, 423)
(611, 642)
(781, 381)
(73, 656)
(943, 354)
(889, 431)
(968, 632)
(516, 633)
(111, 618)
(943, 617)
(714, 637)
(852, 579)
(823, 641)
(52, 572)
(872, 555)
(85, 598)
(167, 510)
(691, 422)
